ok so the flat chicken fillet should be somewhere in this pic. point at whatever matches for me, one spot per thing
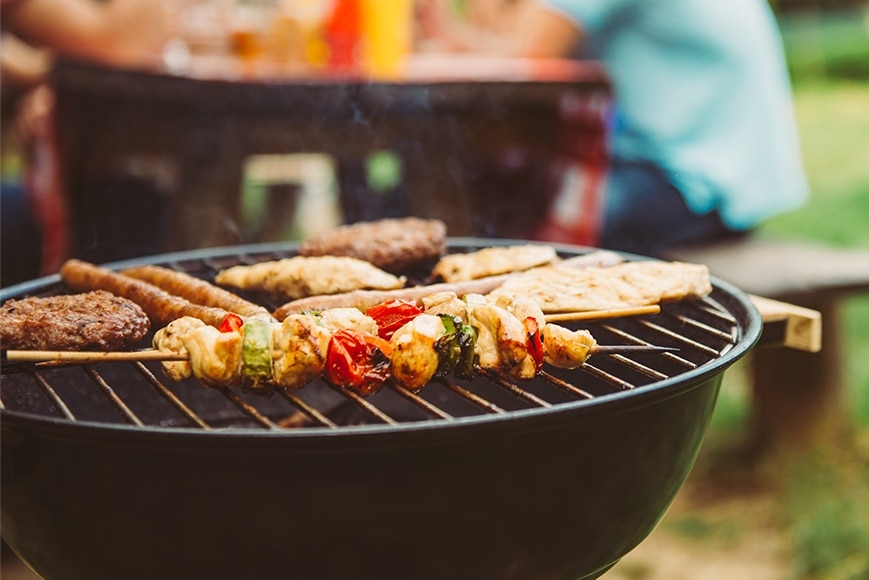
(302, 276)
(642, 283)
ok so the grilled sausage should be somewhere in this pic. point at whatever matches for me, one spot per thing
(195, 289)
(160, 306)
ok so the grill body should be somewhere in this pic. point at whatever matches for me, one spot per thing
(557, 492)
(541, 496)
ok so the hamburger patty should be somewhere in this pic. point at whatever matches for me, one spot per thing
(95, 320)
(392, 244)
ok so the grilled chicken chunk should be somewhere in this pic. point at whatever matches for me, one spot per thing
(565, 348)
(522, 307)
(215, 356)
(502, 342)
(415, 359)
(446, 303)
(352, 318)
(170, 338)
(299, 350)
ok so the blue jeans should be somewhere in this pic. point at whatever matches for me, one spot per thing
(645, 214)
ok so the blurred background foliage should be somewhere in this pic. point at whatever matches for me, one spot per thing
(822, 499)
(827, 43)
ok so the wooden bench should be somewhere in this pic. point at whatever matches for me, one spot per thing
(798, 392)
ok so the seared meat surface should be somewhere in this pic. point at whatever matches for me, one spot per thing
(160, 306)
(390, 244)
(95, 320)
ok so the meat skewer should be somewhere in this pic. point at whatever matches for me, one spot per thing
(339, 344)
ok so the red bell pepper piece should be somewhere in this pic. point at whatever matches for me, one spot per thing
(535, 341)
(231, 323)
(392, 315)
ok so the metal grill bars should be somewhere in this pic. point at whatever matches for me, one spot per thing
(702, 331)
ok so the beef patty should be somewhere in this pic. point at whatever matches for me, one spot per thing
(95, 320)
(392, 244)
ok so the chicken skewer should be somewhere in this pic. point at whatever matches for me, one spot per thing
(256, 350)
(408, 342)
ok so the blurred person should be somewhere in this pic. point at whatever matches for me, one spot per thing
(115, 32)
(23, 69)
(704, 143)
(121, 32)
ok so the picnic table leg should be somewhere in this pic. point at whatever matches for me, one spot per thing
(798, 399)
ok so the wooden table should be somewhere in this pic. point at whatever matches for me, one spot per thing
(483, 143)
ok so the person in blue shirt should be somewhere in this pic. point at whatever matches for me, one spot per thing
(704, 142)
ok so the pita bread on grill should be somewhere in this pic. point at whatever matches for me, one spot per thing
(559, 289)
(493, 261)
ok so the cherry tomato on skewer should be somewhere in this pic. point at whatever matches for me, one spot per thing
(358, 360)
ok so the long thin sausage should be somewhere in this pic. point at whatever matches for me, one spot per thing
(195, 289)
(160, 306)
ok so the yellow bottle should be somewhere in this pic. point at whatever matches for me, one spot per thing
(386, 35)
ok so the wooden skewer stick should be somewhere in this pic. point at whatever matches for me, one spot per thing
(601, 314)
(91, 356)
(632, 349)
(86, 357)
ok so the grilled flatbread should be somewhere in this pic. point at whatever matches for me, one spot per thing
(493, 261)
(559, 289)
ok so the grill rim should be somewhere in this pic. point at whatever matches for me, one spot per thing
(737, 303)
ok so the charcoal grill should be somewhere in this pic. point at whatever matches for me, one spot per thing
(112, 470)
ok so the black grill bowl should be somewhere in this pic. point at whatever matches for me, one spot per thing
(561, 492)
